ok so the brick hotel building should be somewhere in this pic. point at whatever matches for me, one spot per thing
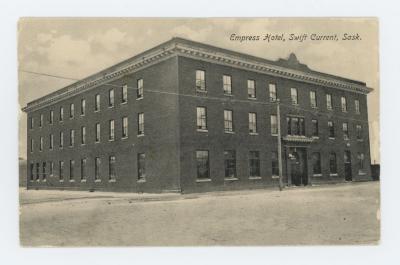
(186, 116)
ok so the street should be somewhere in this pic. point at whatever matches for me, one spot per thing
(339, 214)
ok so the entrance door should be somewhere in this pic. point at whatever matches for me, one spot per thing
(347, 166)
(298, 172)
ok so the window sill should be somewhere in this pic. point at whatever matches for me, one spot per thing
(140, 135)
(124, 103)
(112, 180)
(124, 138)
(330, 109)
(251, 98)
(140, 98)
(203, 180)
(83, 180)
(96, 111)
(71, 180)
(110, 107)
(333, 174)
(141, 181)
(61, 180)
(97, 180)
(229, 132)
(203, 91)
(254, 178)
(231, 179)
(202, 130)
(317, 175)
(253, 133)
(97, 142)
(82, 115)
(315, 137)
(228, 95)
(275, 177)
(111, 140)
(83, 144)
(331, 138)
(295, 104)
(362, 173)
(360, 140)
(274, 134)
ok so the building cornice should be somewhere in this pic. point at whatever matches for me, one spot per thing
(190, 50)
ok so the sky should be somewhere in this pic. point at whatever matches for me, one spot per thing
(76, 48)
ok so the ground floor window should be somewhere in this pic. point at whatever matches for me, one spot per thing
(274, 163)
(37, 171)
(51, 169)
(111, 167)
(203, 165)
(32, 168)
(360, 158)
(254, 163)
(61, 170)
(44, 170)
(332, 163)
(97, 163)
(141, 165)
(83, 168)
(71, 169)
(230, 163)
(316, 163)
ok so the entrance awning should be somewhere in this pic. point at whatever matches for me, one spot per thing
(297, 139)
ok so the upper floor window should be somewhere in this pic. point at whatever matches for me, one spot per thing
(71, 110)
(316, 163)
(97, 138)
(315, 130)
(201, 118)
(328, 101)
(51, 118)
(357, 106)
(252, 122)
(344, 104)
(200, 80)
(227, 84)
(141, 124)
(140, 88)
(345, 130)
(111, 98)
(295, 126)
(274, 125)
(124, 98)
(203, 165)
(111, 131)
(251, 88)
(359, 132)
(83, 107)
(61, 113)
(272, 92)
(41, 120)
(31, 122)
(331, 129)
(313, 99)
(97, 102)
(228, 120)
(124, 127)
(293, 96)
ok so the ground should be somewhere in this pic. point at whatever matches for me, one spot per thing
(331, 214)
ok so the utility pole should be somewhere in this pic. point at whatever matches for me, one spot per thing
(278, 116)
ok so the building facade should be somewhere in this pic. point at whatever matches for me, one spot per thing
(187, 117)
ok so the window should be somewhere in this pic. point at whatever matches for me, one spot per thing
(61, 113)
(71, 110)
(97, 103)
(111, 168)
(140, 88)
(41, 144)
(295, 126)
(83, 107)
(71, 138)
(31, 123)
(316, 163)
(51, 168)
(331, 129)
(293, 96)
(37, 171)
(251, 89)
(254, 163)
(359, 132)
(230, 163)
(83, 168)
(272, 92)
(124, 98)
(124, 127)
(44, 170)
(344, 104)
(328, 101)
(228, 121)
(97, 139)
(32, 145)
(274, 125)
(31, 171)
(315, 131)
(201, 118)
(357, 106)
(51, 142)
(83, 135)
(203, 165)
(332, 163)
(41, 120)
(274, 163)
(97, 163)
(141, 165)
(61, 170)
(227, 84)
(141, 124)
(51, 118)
(360, 159)
(345, 130)
(111, 98)
(200, 80)
(71, 169)
(313, 99)
(252, 122)
(61, 139)
(111, 131)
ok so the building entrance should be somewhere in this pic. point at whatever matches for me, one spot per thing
(298, 166)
